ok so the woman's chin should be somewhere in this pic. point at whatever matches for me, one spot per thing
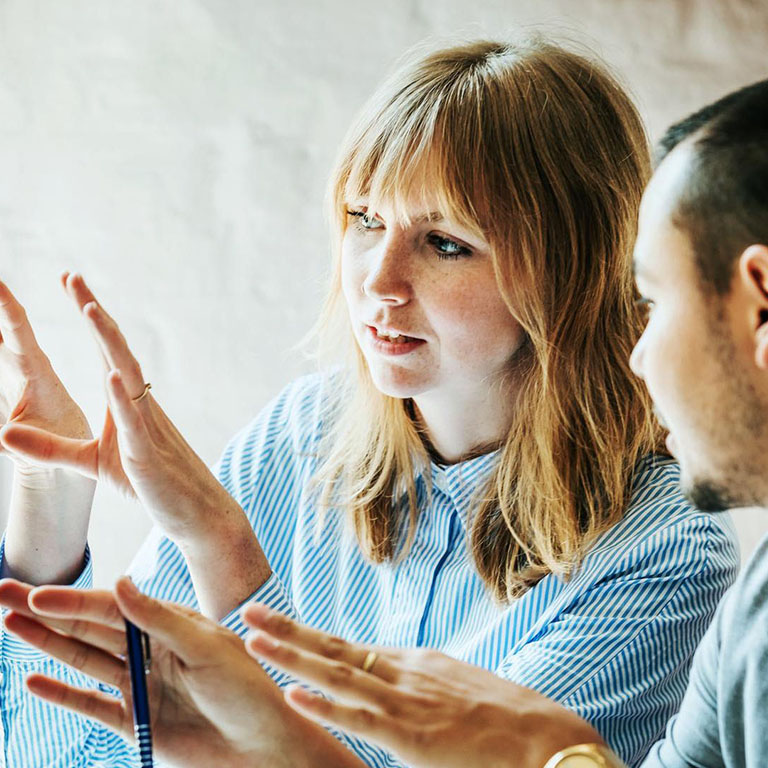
(398, 383)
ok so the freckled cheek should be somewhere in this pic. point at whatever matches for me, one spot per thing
(474, 325)
(352, 276)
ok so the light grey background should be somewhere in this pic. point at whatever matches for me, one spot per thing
(176, 151)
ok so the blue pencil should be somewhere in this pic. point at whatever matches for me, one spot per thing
(138, 641)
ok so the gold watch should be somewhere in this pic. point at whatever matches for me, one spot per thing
(585, 756)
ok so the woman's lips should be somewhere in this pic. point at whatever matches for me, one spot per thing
(387, 347)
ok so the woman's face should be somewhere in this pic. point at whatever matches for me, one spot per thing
(431, 282)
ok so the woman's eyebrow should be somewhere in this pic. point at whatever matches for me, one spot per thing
(434, 216)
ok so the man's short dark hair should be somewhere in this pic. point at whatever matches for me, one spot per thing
(724, 205)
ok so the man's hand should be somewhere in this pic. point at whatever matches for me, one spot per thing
(211, 704)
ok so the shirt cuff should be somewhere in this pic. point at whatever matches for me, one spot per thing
(12, 649)
(271, 593)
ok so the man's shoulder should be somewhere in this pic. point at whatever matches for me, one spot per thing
(747, 602)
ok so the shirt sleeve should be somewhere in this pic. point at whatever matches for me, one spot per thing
(257, 463)
(692, 736)
(619, 654)
(35, 733)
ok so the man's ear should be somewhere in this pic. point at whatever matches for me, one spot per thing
(753, 273)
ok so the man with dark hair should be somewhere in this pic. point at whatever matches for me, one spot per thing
(701, 262)
(722, 206)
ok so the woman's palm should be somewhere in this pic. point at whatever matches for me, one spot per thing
(31, 394)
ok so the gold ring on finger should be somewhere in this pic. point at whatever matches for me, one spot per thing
(147, 387)
(370, 660)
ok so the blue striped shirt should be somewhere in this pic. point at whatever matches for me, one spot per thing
(613, 643)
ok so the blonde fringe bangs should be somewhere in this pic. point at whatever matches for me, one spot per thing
(539, 150)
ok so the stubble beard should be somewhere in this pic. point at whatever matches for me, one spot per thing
(736, 434)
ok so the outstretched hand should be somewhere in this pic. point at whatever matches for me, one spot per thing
(211, 704)
(50, 508)
(429, 709)
(140, 452)
(31, 394)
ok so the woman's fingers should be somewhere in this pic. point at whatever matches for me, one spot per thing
(373, 726)
(43, 447)
(75, 287)
(94, 704)
(92, 633)
(339, 678)
(115, 347)
(14, 595)
(112, 343)
(329, 646)
(16, 331)
(96, 605)
(74, 284)
(129, 421)
(185, 632)
(91, 661)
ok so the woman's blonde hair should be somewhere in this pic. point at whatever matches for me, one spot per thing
(542, 152)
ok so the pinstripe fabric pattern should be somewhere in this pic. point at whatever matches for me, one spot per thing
(613, 643)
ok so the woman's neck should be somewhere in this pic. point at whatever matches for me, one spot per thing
(460, 428)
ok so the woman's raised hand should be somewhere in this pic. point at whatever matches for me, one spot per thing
(50, 508)
(30, 391)
(125, 458)
(141, 452)
(211, 704)
(429, 709)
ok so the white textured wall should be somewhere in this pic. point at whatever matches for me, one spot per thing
(175, 151)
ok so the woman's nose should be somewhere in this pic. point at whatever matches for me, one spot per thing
(636, 358)
(388, 278)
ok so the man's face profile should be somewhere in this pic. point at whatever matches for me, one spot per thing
(696, 354)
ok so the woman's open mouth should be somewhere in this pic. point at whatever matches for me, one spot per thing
(391, 342)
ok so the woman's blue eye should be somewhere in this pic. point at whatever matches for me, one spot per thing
(444, 246)
(363, 221)
(447, 248)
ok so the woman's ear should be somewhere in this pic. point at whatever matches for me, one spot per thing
(753, 272)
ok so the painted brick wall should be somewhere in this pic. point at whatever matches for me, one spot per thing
(175, 151)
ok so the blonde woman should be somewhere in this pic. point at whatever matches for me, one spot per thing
(480, 475)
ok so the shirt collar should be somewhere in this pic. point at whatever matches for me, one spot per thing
(460, 482)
